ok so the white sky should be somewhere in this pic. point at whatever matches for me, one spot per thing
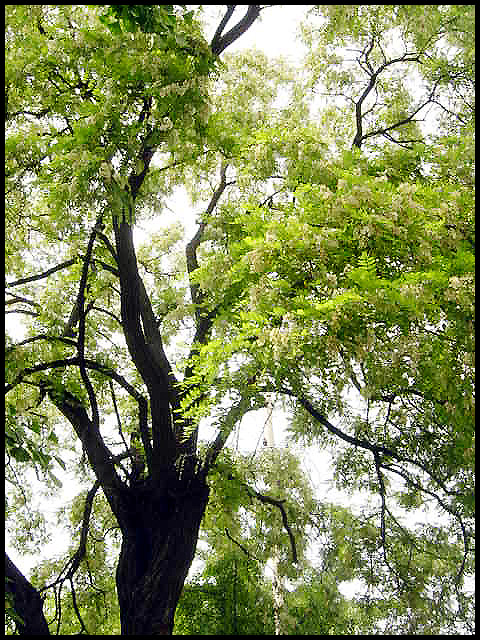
(273, 33)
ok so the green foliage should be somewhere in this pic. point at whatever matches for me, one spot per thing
(336, 268)
(230, 597)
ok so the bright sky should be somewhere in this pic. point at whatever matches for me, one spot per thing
(274, 33)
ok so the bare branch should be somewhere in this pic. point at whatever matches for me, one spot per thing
(41, 336)
(45, 274)
(192, 246)
(376, 449)
(221, 42)
(16, 298)
(245, 551)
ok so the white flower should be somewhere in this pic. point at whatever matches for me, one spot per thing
(455, 282)
(166, 124)
(106, 171)
(256, 260)
(270, 237)
(331, 279)
(325, 192)
(407, 188)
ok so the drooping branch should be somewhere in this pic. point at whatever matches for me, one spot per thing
(74, 562)
(245, 551)
(71, 567)
(375, 449)
(357, 442)
(279, 504)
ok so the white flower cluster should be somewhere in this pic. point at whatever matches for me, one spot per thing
(363, 192)
(165, 125)
(407, 188)
(331, 280)
(177, 88)
(256, 260)
(324, 192)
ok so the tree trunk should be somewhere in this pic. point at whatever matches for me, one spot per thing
(26, 601)
(158, 547)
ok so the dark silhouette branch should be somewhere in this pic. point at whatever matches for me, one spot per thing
(191, 255)
(221, 41)
(44, 274)
(245, 551)
(65, 362)
(375, 449)
(14, 299)
(366, 67)
(41, 336)
(82, 325)
(145, 346)
(279, 504)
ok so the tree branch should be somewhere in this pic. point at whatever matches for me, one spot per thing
(99, 456)
(221, 42)
(279, 504)
(146, 349)
(203, 316)
(359, 135)
(191, 253)
(44, 274)
(375, 449)
(245, 551)
(228, 423)
(82, 321)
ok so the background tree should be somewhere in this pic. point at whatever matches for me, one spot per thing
(332, 266)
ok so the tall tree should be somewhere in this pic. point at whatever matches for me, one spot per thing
(332, 265)
(86, 110)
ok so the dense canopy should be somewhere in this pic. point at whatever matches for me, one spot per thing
(324, 266)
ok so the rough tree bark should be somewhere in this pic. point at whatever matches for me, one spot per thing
(157, 550)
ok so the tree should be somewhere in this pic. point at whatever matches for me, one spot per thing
(332, 266)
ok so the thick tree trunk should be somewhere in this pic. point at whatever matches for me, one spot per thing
(158, 548)
(26, 601)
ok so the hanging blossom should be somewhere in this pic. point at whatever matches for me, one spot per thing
(177, 88)
(256, 260)
(165, 125)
